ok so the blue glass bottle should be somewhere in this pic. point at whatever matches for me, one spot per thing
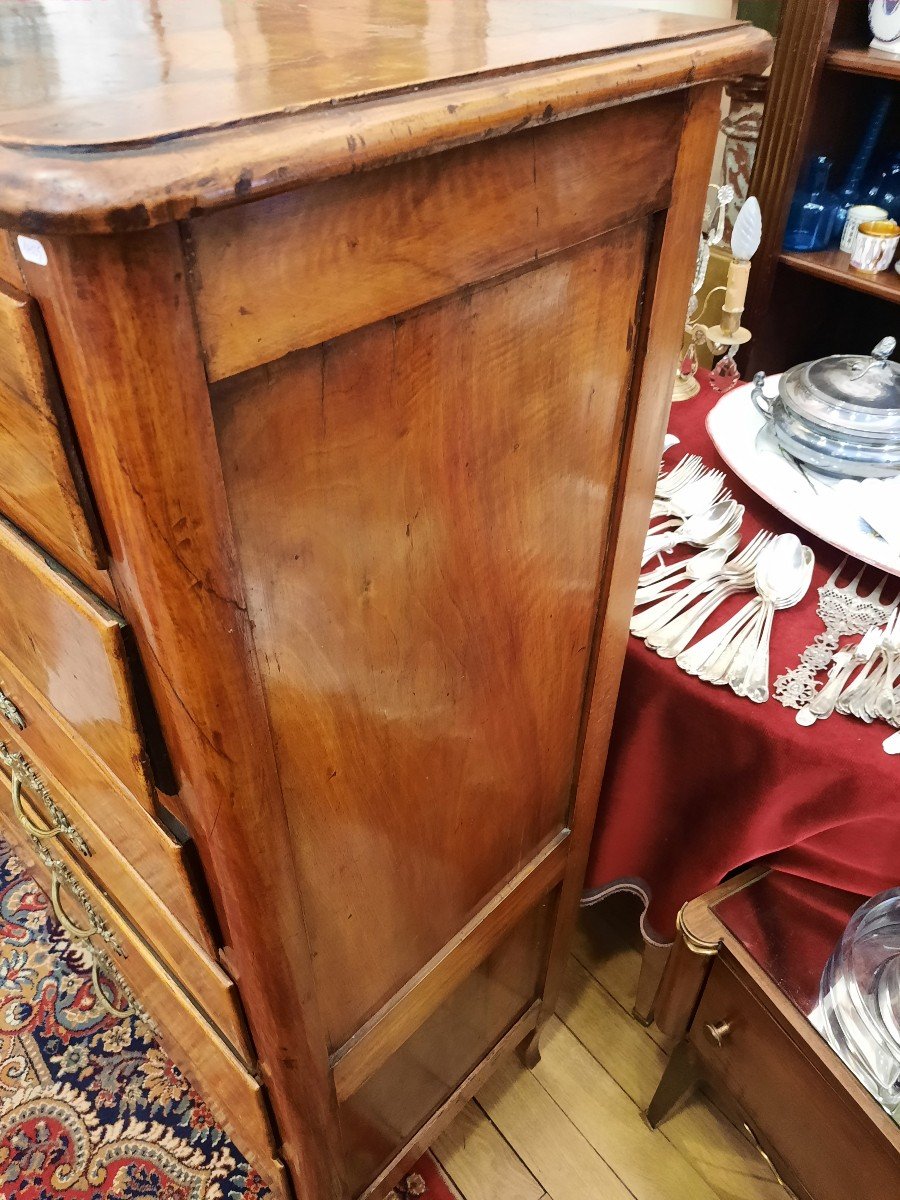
(813, 210)
(854, 189)
(885, 192)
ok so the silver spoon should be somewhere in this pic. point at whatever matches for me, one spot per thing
(700, 530)
(707, 562)
(782, 579)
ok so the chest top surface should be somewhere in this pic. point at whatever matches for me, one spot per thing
(154, 108)
(117, 72)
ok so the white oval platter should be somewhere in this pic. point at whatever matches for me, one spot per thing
(831, 509)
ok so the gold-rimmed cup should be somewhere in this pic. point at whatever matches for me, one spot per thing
(875, 246)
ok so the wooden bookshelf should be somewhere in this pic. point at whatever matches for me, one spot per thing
(834, 266)
(825, 85)
(858, 61)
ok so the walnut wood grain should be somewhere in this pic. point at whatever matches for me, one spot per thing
(443, 1116)
(421, 510)
(768, 1067)
(235, 1098)
(783, 1094)
(385, 1114)
(10, 271)
(380, 1037)
(42, 487)
(160, 144)
(72, 649)
(140, 405)
(373, 246)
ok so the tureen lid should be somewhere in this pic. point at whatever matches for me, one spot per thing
(858, 392)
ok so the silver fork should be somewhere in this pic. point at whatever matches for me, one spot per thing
(884, 702)
(670, 604)
(683, 472)
(845, 663)
(695, 496)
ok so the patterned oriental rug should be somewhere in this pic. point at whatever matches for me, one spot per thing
(91, 1108)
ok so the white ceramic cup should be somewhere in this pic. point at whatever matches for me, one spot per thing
(858, 215)
(875, 246)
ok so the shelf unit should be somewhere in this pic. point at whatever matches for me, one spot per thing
(825, 82)
(833, 266)
(857, 61)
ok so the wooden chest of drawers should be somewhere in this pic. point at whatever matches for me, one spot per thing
(336, 372)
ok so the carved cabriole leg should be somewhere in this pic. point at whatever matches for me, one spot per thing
(658, 344)
(121, 324)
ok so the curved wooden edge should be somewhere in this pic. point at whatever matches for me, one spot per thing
(47, 189)
(700, 937)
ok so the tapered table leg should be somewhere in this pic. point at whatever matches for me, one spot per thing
(679, 1079)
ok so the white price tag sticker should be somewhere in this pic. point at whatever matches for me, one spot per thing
(32, 250)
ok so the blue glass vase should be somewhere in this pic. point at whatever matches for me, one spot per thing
(813, 211)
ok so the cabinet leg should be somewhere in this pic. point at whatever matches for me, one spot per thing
(529, 1051)
(679, 1079)
(653, 963)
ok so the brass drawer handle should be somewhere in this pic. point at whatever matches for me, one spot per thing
(61, 875)
(78, 932)
(9, 710)
(767, 1160)
(717, 1032)
(131, 1006)
(23, 774)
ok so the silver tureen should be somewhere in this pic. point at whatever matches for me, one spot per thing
(840, 414)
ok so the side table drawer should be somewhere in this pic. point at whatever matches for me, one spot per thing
(41, 484)
(71, 648)
(145, 990)
(824, 1139)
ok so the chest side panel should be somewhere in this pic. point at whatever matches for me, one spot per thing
(421, 510)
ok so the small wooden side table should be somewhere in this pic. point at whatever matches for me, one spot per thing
(738, 990)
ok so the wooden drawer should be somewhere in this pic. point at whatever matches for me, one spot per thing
(41, 483)
(158, 856)
(800, 1115)
(235, 1097)
(40, 804)
(72, 649)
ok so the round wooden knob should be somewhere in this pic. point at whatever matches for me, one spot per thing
(718, 1032)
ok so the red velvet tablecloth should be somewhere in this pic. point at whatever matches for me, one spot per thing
(700, 782)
